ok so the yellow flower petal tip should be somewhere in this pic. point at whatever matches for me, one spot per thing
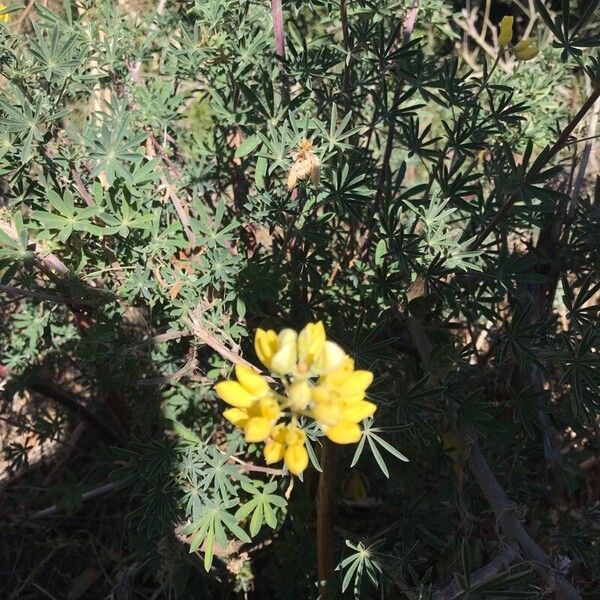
(4, 18)
(236, 416)
(234, 394)
(251, 381)
(257, 429)
(506, 31)
(344, 433)
(273, 452)
(296, 459)
(266, 344)
(526, 50)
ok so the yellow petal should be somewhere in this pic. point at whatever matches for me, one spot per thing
(268, 408)
(296, 459)
(327, 413)
(506, 31)
(299, 395)
(273, 452)
(321, 393)
(358, 411)
(332, 358)
(234, 394)
(237, 416)
(355, 383)
(266, 344)
(287, 336)
(294, 436)
(284, 360)
(311, 341)
(257, 429)
(279, 433)
(252, 381)
(344, 433)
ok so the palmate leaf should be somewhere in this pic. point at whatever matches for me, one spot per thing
(69, 217)
(578, 310)
(115, 147)
(369, 434)
(212, 527)
(262, 505)
(362, 561)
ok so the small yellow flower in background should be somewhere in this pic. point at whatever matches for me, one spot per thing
(306, 164)
(526, 50)
(4, 18)
(354, 485)
(319, 381)
(506, 31)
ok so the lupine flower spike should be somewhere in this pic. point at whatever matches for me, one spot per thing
(318, 381)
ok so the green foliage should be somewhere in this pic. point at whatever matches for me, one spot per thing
(147, 230)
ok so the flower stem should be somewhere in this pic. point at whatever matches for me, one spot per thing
(325, 506)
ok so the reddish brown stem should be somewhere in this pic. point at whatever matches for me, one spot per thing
(325, 507)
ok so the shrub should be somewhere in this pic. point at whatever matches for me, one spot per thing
(176, 178)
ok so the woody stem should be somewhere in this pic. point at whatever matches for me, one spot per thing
(325, 507)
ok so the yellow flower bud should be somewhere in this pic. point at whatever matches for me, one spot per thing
(526, 50)
(266, 344)
(506, 31)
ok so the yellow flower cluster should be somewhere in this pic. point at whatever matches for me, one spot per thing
(524, 49)
(318, 380)
(4, 17)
